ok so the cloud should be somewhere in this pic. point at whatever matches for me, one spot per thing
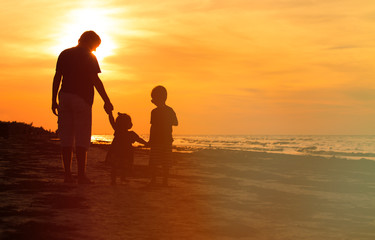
(344, 47)
(361, 94)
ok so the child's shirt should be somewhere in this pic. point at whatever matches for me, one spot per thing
(122, 142)
(162, 120)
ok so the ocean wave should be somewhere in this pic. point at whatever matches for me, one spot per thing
(341, 146)
(313, 150)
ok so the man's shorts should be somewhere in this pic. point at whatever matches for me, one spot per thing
(74, 121)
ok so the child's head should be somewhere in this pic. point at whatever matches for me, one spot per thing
(158, 95)
(123, 121)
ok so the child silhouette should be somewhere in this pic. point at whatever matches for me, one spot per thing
(121, 153)
(163, 118)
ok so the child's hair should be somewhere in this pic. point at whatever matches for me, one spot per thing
(123, 121)
(159, 93)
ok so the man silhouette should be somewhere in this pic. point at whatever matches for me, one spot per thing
(77, 70)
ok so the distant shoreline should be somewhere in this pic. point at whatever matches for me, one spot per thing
(335, 146)
(347, 147)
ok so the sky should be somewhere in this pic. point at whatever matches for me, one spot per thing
(230, 67)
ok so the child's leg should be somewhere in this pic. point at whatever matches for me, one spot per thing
(122, 169)
(165, 174)
(153, 172)
(113, 175)
(123, 174)
(153, 165)
(126, 169)
(167, 161)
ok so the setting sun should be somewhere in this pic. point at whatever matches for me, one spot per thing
(80, 20)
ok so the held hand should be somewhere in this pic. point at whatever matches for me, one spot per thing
(55, 107)
(110, 115)
(108, 107)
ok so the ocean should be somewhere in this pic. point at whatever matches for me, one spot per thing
(337, 146)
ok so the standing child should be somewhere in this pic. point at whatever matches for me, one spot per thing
(162, 119)
(121, 153)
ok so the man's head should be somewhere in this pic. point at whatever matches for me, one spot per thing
(90, 39)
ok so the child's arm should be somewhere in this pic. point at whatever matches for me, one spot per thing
(112, 120)
(175, 122)
(174, 119)
(141, 140)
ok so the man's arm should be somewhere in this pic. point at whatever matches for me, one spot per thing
(55, 90)
(108, 107)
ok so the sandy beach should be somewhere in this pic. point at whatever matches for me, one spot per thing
(213, 194)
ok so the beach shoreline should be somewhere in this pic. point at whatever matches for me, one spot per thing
(214, 194)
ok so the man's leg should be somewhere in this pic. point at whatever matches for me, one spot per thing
(81, 154)
(67, 154)
(66, 133)
(82, 127)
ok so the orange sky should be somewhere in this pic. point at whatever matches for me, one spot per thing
(230, 67)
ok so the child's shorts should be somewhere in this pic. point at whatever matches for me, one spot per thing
(74, 121)
(161, 155)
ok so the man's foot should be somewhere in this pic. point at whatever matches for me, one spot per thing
(84, 180)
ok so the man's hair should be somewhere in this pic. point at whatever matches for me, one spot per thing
(159, 92)
(89, 37)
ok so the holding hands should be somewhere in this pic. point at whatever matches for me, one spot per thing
(108, 107)
(55, 107)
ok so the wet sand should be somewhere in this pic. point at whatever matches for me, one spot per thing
(213, 194)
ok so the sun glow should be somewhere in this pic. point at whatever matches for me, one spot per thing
(81, 20)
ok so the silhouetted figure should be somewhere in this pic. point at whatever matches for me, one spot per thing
(163, 118)
(77, 68)
(121, 153)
